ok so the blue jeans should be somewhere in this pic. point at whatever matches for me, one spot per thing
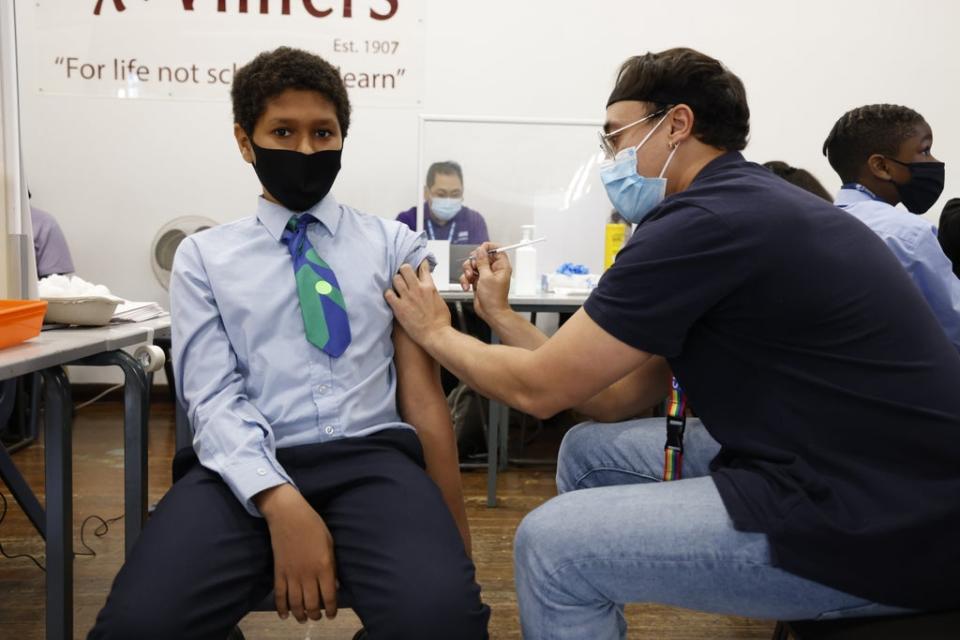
(617, 534)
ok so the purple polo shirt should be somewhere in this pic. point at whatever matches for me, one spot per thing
(53, 254)
(468, 226)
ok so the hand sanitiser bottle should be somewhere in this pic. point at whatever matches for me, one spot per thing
(614, 239)
(525, 266)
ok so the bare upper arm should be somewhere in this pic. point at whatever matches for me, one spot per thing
(418, 375)
(578, 362)
(633, 394)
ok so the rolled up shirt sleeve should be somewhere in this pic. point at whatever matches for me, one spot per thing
(230, 436)
(411, 248)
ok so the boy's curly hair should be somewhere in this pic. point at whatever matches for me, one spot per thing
(273, 72)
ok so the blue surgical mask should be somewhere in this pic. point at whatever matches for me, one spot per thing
(445, 208)
(634, 196)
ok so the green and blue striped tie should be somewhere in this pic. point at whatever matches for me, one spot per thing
(321, 301)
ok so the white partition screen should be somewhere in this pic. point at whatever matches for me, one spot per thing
(519, 171)
(19, 272)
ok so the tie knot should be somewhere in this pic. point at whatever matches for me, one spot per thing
(295, 233)
(300, 222)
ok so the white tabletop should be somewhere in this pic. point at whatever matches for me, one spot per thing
(547, 300)
(60, 346)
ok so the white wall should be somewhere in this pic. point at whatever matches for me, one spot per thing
(113, 170)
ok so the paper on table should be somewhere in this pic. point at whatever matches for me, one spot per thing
(129, 311)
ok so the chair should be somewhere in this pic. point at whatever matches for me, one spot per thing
(236, 634)
(19, 408)
(268, 604)
(164, 344)
(8, 390)
(943, 625)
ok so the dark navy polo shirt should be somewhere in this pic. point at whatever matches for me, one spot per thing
(468, 226)
(813, 359)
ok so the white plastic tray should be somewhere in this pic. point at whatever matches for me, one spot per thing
(85, 311)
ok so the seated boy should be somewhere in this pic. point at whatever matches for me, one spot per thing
(309, 476)
(882, 153)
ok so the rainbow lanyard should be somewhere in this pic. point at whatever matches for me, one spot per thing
(676, 422)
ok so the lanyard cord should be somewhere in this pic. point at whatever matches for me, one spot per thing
(676, 423)
(856, 186)
(453, 229)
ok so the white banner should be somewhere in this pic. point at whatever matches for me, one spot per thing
(190, 49)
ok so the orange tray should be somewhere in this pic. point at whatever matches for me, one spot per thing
(20, 320)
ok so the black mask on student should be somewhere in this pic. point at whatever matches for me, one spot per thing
(924, 186)
(297, 180)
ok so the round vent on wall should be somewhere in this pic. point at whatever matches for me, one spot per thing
(167, 240)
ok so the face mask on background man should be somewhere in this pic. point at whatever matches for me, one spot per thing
(445, 208)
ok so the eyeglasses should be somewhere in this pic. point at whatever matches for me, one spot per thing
(606, 139)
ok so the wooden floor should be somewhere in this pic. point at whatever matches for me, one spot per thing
(98, 465)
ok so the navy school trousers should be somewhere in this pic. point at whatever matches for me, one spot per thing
(203, 562)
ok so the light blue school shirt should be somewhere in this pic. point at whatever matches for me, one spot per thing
(914, 241)
(245, 372)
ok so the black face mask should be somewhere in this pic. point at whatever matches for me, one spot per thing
(297, 180)
(924, 186)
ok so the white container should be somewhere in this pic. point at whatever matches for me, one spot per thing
(90, 311)
(441, 273)
(525, 280)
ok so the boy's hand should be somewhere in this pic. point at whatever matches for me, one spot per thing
(303, 560)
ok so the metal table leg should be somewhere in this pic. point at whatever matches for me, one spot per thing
(493, 441)
(58, 431)
(504, 430)
(35, 390)
(18, 486)
(502, 420)
(135, 416)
